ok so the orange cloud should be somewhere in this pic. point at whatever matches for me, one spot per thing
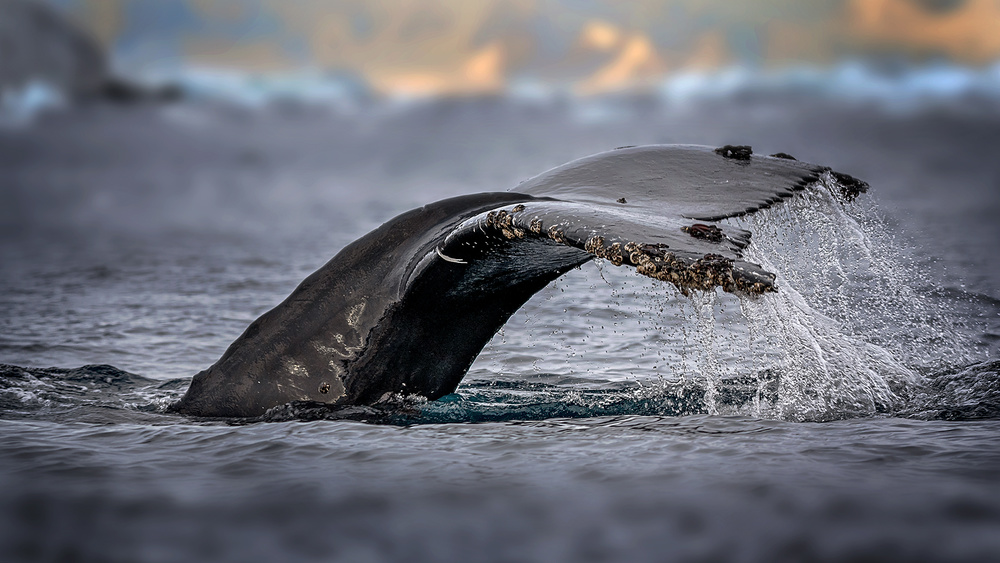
(709, 51)
(481, 73)
(969, 32)
(600, 35)
(484, 71)
(426, 47)
(637, 63)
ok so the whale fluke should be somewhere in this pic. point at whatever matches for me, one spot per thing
(408, 307)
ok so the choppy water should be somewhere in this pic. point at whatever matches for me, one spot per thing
(851, 416)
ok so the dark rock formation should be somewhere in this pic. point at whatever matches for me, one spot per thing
(39, 44)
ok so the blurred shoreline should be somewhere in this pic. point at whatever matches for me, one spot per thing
(899, 55)
(898, 90)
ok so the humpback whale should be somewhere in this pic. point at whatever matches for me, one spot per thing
(406, 308)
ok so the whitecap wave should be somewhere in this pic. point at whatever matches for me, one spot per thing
(906, 88)
(855, 81)
(20, 106)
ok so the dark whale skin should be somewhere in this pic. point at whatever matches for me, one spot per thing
(407, 308)
(332, 333)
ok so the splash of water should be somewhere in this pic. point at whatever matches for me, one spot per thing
(847, 332)
(854, 330)
(845, 262)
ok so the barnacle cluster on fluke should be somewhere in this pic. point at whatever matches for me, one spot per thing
(708, 232)
(849, 186)
(703, 274)
(735, 152)
(503, 221)
(783, 155)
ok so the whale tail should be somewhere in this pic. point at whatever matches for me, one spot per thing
(408, 307)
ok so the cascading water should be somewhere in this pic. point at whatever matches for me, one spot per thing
(845, 335)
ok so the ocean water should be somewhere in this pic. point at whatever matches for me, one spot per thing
(852, 416)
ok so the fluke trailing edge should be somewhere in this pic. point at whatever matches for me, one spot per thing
(408, 307)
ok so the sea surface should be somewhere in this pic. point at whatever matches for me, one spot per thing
(852, 416)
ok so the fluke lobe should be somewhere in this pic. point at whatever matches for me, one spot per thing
(407, 308)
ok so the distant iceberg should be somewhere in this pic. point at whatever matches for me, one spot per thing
(903, 88)
(850, 81)
(19, 106)
(254, 90)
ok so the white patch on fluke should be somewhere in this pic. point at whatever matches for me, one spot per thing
(295, 368)
(447, 258)
(355, 314)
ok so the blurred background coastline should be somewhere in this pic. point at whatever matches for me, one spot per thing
(897, 53)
